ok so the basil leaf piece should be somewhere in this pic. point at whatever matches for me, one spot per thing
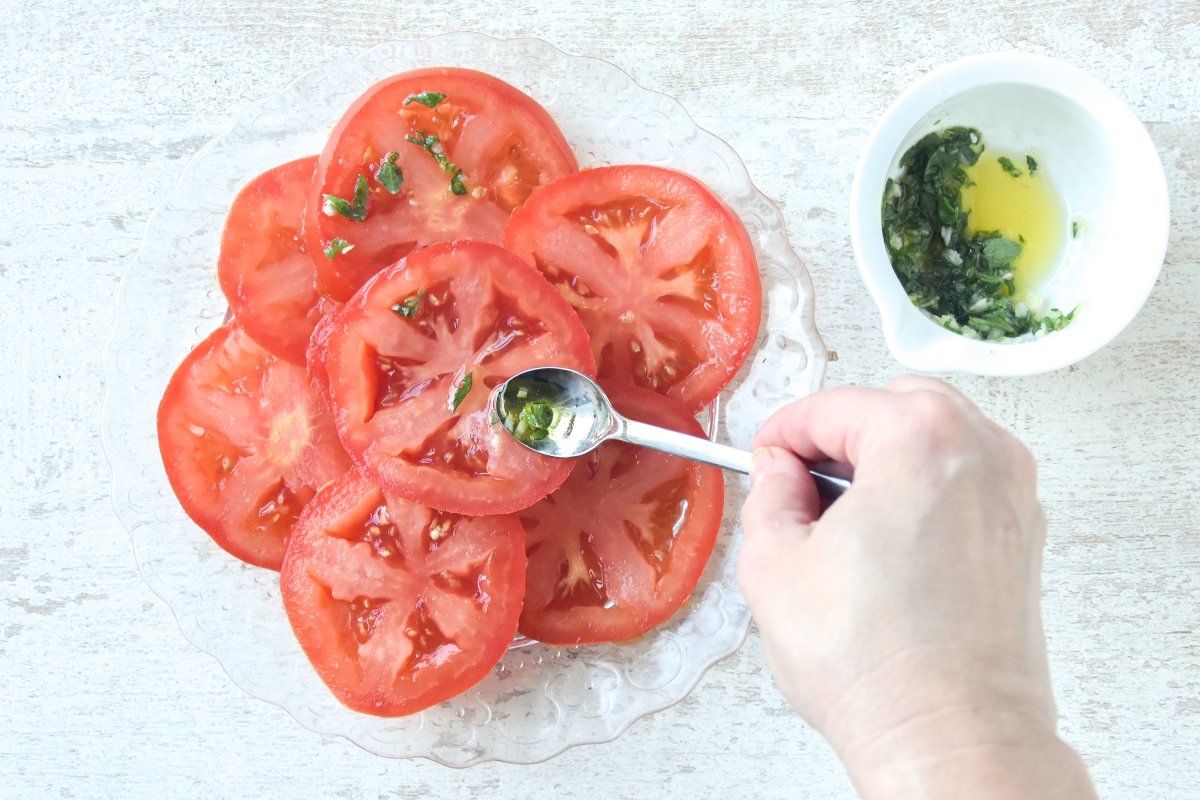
(1007, 165)
(462, 391)
(356, 210)
(335, 247)
(998, 253)
(411, 305)
(390, 176)
(1031, 163)
(427, 99)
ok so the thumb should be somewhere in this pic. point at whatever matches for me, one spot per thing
(782, 496)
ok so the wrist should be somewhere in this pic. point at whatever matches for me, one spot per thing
(968, 752)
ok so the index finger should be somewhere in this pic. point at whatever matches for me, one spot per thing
(826, 425)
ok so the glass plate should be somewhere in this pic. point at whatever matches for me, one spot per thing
(538, 700)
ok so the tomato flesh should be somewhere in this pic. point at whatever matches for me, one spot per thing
(411, 392)
(621, 545)
(399, 606)
(492, 146)
(247, 440)
(662, 274)
(264, 268)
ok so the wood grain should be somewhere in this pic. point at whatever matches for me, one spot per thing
(102, 105)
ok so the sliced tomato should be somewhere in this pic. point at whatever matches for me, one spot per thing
(621, 545)
(247, 440)
(662, 274)
(263, 267)
(318, 344)
(491, 145)
(398, 606)
(413, 358)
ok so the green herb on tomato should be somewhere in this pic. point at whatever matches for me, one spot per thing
(964, 281)
(433, 146)
(427, 99)
(390, 176)
(411, 305)
(461, 392)
(356, 210)
(336, 246)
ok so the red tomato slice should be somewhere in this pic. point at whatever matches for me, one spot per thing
(620, 547)
(413, 358)
(264, 269)
(493, 145)
(662, 274)
(247, 440)
(398, 606)
(318, 345)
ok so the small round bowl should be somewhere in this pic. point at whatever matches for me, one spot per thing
(1102, 164)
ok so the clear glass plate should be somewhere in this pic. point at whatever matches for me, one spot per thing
(539, 700)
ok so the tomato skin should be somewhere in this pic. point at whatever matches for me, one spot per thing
(394, 380)
(604, 564)
(662, 273)
(395, 621)
(504, 143)
(247, 439)
(264, 268)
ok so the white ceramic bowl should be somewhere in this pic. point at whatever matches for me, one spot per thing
(1099, 158)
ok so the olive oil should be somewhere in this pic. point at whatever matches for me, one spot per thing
(1005, 197)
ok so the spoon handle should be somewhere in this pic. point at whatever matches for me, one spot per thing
(681, 444)
(832, 479)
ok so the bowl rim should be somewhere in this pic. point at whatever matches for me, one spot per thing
(940, 350)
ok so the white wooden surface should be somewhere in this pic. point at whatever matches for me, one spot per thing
(101, 104)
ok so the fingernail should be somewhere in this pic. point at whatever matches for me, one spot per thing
(760, 464)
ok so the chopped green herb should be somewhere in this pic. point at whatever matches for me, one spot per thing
(335, 247)
(427, 99)
(409, 306)
(998, 253)
(532, 410)
(534, 423)
(460, 394)
(1031, 162)
(1007, 165)
(356, 211)
(963, 281)
(1075, 228)
(389, 175)
(433, 146)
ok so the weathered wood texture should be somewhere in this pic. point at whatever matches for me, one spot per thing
(102, 104)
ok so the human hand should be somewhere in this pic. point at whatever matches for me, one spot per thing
(904, 624)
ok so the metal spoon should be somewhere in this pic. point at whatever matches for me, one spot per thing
(583, 418)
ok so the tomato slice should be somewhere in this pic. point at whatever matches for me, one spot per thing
(491, 146)
(413, 358)
(263, 267)
(318, 345)
(662, 274)
(621, 545)
(247, 440)
(398, 606)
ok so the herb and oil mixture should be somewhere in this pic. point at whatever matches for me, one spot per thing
(532, 410)
(971, 238)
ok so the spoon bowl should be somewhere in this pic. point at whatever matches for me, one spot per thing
(581, 415)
